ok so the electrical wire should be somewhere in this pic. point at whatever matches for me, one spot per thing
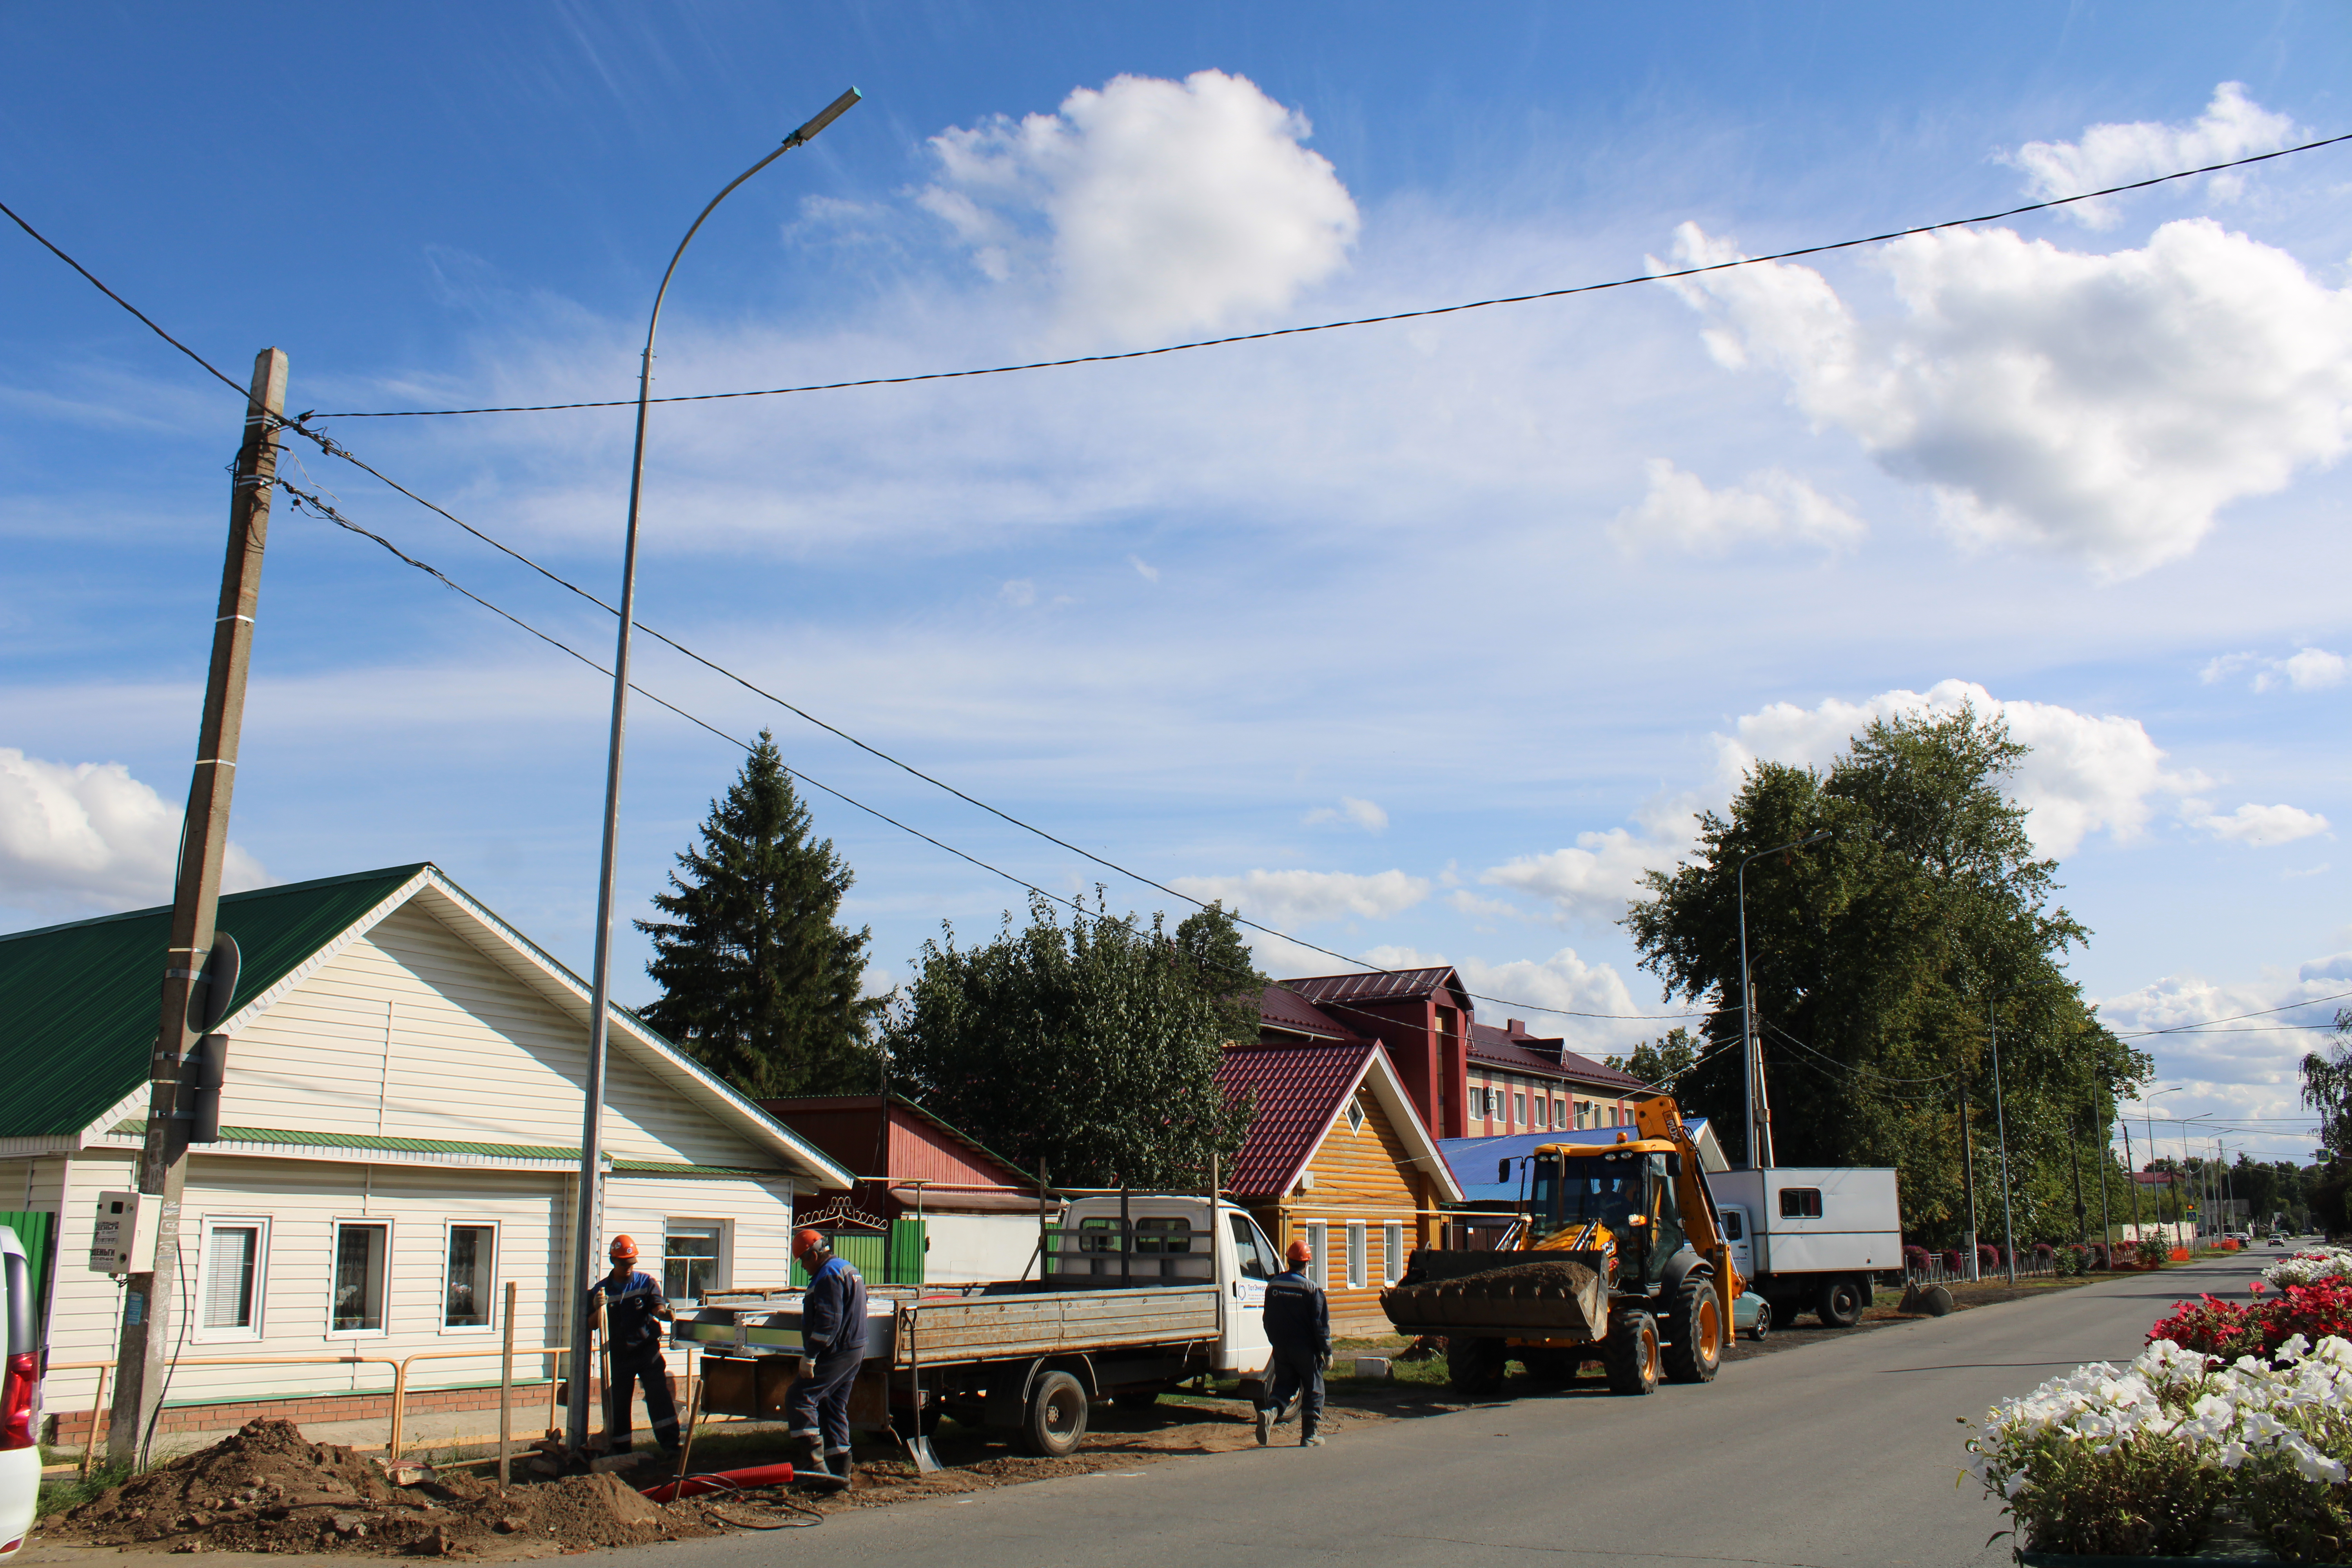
(1365, 321)
(1852, 1067)
(2233, 1017)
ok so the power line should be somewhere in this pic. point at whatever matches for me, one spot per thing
(2233, 1017)
(1356, 321)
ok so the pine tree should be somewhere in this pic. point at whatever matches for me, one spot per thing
(758, 982)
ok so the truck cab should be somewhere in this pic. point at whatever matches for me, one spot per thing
(1146, 1239)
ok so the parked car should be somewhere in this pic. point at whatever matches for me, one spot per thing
(20, 1389)
(1751, 1315)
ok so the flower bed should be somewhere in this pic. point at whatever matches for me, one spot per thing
(2142, 1460)
(2312, 1266)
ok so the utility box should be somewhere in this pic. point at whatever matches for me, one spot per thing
(122, 1239)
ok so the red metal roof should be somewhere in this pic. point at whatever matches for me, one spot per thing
(1299, 1090)
(920, 1147)
(1545, 1057)
(1279, 1008)
(1388, 986)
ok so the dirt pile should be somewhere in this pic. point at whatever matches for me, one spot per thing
(1524, 1282)
(267, 1489)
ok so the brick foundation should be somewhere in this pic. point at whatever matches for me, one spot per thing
(71, 1428)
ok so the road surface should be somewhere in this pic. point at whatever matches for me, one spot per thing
(1838, 1454)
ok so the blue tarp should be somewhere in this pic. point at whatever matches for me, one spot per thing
(1473, 1159)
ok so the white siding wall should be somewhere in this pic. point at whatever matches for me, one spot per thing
(411, 1032)
(83, 1305)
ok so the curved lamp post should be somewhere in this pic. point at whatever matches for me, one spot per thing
(588, 1211)
(1757, 1160)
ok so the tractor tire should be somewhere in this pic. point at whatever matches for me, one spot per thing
(1839, 1303)
(1631, 1352)
(1694, 1318)
(1475, 1366)
(1053, 1422)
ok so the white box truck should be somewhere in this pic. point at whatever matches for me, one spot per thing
(1812, 1237)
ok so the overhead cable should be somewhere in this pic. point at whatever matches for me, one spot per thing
(1361, 321)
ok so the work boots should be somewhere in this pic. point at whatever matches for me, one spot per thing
(808, 1460)
(837, 1464)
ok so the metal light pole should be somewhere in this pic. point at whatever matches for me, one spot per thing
(2148, 1119)
(2131, 1170)
(2001, 1130)
(1758, 1159)
(588, 1215)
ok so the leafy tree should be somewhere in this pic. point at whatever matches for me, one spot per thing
(1211, 944)
(1089, 1050)
(1663, 1061)
(1882, 959)
(758, 982)
(2327, 1089)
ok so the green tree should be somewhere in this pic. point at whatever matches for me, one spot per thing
(1089, 1050)
(1210, 941)
(758, 982)
(2327, 1089)
(1663, 1061)
(1883, 959)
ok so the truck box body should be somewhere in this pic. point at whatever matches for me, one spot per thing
(1811, 1220)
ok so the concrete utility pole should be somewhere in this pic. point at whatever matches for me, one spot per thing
(149, 1297)
(1968, 1162)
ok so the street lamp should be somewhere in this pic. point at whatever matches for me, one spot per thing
(1758, 1159)
(589, 1218)
(2000, 1120)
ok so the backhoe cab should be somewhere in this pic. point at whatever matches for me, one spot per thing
(1621, 1259)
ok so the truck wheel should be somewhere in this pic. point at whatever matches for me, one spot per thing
(1631, 1352)
(1474, 1365)
(1055, 1423)
(1839, 1303)
(1697, 1319)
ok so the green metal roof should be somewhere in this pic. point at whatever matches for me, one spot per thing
(78, 1002)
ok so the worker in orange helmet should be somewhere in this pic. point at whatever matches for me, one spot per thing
(630, 1307)
(833, 1335)
(1299, 1324)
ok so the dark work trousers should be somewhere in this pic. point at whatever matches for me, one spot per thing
(1298, 1375)
(819, 1400)
(653, 1373)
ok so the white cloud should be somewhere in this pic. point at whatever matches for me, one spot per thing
(77, 836)
(1021, 591)
(1590, 881)
(2305, 669)
(1304, 898)
(1144, 569)
(2085, 773)
(2245, 1066)
(1362, 813)
(1772, 506)
(1155, 207)
(1529, 988)
(2232, 126)
(2104, 406)
(2262, 825)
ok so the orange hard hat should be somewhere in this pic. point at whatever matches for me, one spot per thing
(625, 1250)
(1299, 1252)
(805, 1242)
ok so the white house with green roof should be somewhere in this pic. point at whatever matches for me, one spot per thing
(400, 1137)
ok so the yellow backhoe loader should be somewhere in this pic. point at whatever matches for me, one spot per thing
(1620, 1258)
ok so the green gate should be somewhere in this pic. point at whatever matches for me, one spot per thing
(892, 1258)
(38, 1232)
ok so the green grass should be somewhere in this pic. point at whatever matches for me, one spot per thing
(71, 1491)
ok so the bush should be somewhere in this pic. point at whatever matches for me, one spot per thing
(1914, 1260)
(1957, 1263)
(2153, 1251)
(2101, 1259)
(2136, 1461)
(1987, 1257)
(2072, 1261)
(2043, 1252)
(2307, 1312)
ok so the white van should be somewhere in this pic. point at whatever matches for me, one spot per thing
(1811, 1238)
(20, 1395)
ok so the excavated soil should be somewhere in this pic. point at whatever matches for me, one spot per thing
(1520, 1282)
(266, 1488)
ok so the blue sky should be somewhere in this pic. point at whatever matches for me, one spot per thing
(1418, 640)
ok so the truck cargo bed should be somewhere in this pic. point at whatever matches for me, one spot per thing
(977, 1323)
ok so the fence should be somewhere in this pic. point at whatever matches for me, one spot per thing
(886, 1258)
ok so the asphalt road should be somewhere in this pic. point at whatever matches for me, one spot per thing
(1836, 1455)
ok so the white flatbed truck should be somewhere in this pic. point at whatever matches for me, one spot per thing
(1140, 1293)
(1812, 1237)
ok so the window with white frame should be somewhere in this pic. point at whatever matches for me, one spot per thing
(690, 1258)
(1391, 1253)
(1357, 1242)
(362, 1249)
(1518, 1109)
(467, 1281)
(1317, 1232)
(1559, 1114)
(1543, 1113)
(236, 1255)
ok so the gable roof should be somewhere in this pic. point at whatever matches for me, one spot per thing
(81, 1001)
(1384, 985)
(1299, 1092)
(1285, 1011)
(1549, 1057)
(832, 1108)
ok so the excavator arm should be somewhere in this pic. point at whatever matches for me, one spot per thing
(1702, 1224)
